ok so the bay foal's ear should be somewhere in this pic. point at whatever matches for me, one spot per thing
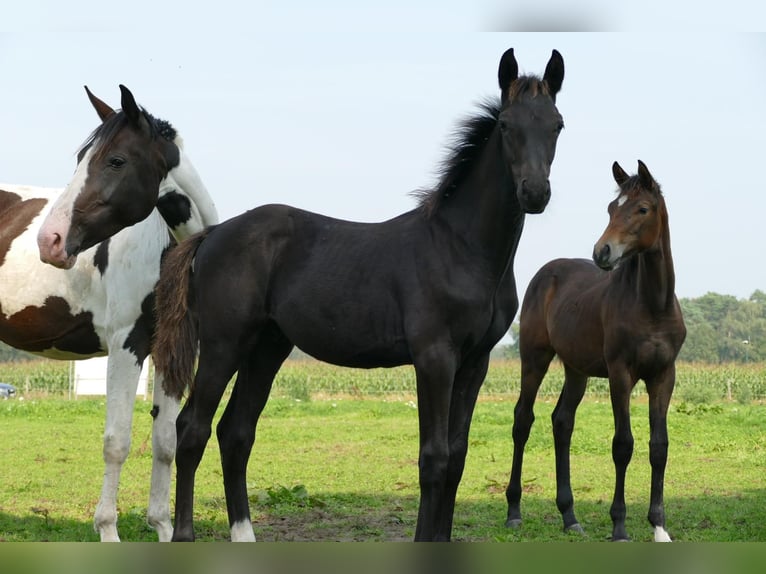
(507, 72)
(619, 174)
(554, 73)
(102, 109)
(646, 178)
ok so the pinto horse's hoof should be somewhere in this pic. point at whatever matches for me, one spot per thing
(514, 523)
(575, 529)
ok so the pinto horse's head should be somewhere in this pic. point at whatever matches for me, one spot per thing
(116, 183)
(635, 218)
(530, 126)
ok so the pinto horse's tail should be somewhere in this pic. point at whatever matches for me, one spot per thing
(175, 336)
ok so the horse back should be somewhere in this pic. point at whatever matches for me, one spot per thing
(349, 293)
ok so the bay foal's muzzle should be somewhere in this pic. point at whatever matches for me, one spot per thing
(602, 256)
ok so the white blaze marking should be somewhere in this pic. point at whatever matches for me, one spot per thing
(621, 200)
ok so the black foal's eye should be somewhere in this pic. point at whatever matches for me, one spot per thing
(559, 127)
(116, 162)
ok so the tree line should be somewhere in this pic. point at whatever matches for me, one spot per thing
(720, 329)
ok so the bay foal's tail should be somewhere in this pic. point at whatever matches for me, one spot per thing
(175, 335)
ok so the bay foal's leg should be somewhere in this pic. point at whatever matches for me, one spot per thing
(236, 430)
(468, 381)
(435, 373)
(660, 390)
(563, 419)
(534, 365)
(121, 384)
(165, 411)
(193, 427)
(620, 386)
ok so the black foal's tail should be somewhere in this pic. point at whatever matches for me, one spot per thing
(175, 335)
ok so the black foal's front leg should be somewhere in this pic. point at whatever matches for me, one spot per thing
(435, 371)
(468, 381)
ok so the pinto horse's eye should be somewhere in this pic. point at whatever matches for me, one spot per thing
(503, 125)
(116, 162)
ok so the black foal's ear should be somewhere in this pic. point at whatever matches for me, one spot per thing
(554, 73)
(507, 73)
(619, 174)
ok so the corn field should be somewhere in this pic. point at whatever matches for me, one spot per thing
(303, 379)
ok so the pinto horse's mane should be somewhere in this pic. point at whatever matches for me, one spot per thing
(469, 141)
(110, 127)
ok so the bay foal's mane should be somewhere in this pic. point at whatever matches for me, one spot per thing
(470, 140)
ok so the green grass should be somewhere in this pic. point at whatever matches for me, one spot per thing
(345, 468)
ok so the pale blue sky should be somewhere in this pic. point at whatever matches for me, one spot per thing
(344, 109)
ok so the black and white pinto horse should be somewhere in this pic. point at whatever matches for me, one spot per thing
(102, 302)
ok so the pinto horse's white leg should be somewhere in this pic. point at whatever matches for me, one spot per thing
(165, 411)
(121, 384)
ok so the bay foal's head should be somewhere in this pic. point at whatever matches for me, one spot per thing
(636, 218)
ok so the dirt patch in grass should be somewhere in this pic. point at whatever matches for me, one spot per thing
(323, 525)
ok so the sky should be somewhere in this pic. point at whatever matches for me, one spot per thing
(346, 108)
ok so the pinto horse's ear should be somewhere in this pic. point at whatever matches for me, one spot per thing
(554, 73)
(507, 73)
(619, 174)
(102, 109)
(646, 178)
(131, 109)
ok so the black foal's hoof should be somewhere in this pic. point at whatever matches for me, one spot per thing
(514, 523)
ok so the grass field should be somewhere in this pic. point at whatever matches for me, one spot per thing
(341, 464)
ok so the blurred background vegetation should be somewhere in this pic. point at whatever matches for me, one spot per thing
(724, 358)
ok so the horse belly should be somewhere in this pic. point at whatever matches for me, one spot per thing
(346, 332)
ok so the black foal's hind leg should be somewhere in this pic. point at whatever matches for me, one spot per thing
(660, 390)
(193, 429)
(236, 430)
(534, 365)
(563, 419)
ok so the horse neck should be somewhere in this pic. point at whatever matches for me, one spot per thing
(653, 272)
(184, 202)
(484, 210)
